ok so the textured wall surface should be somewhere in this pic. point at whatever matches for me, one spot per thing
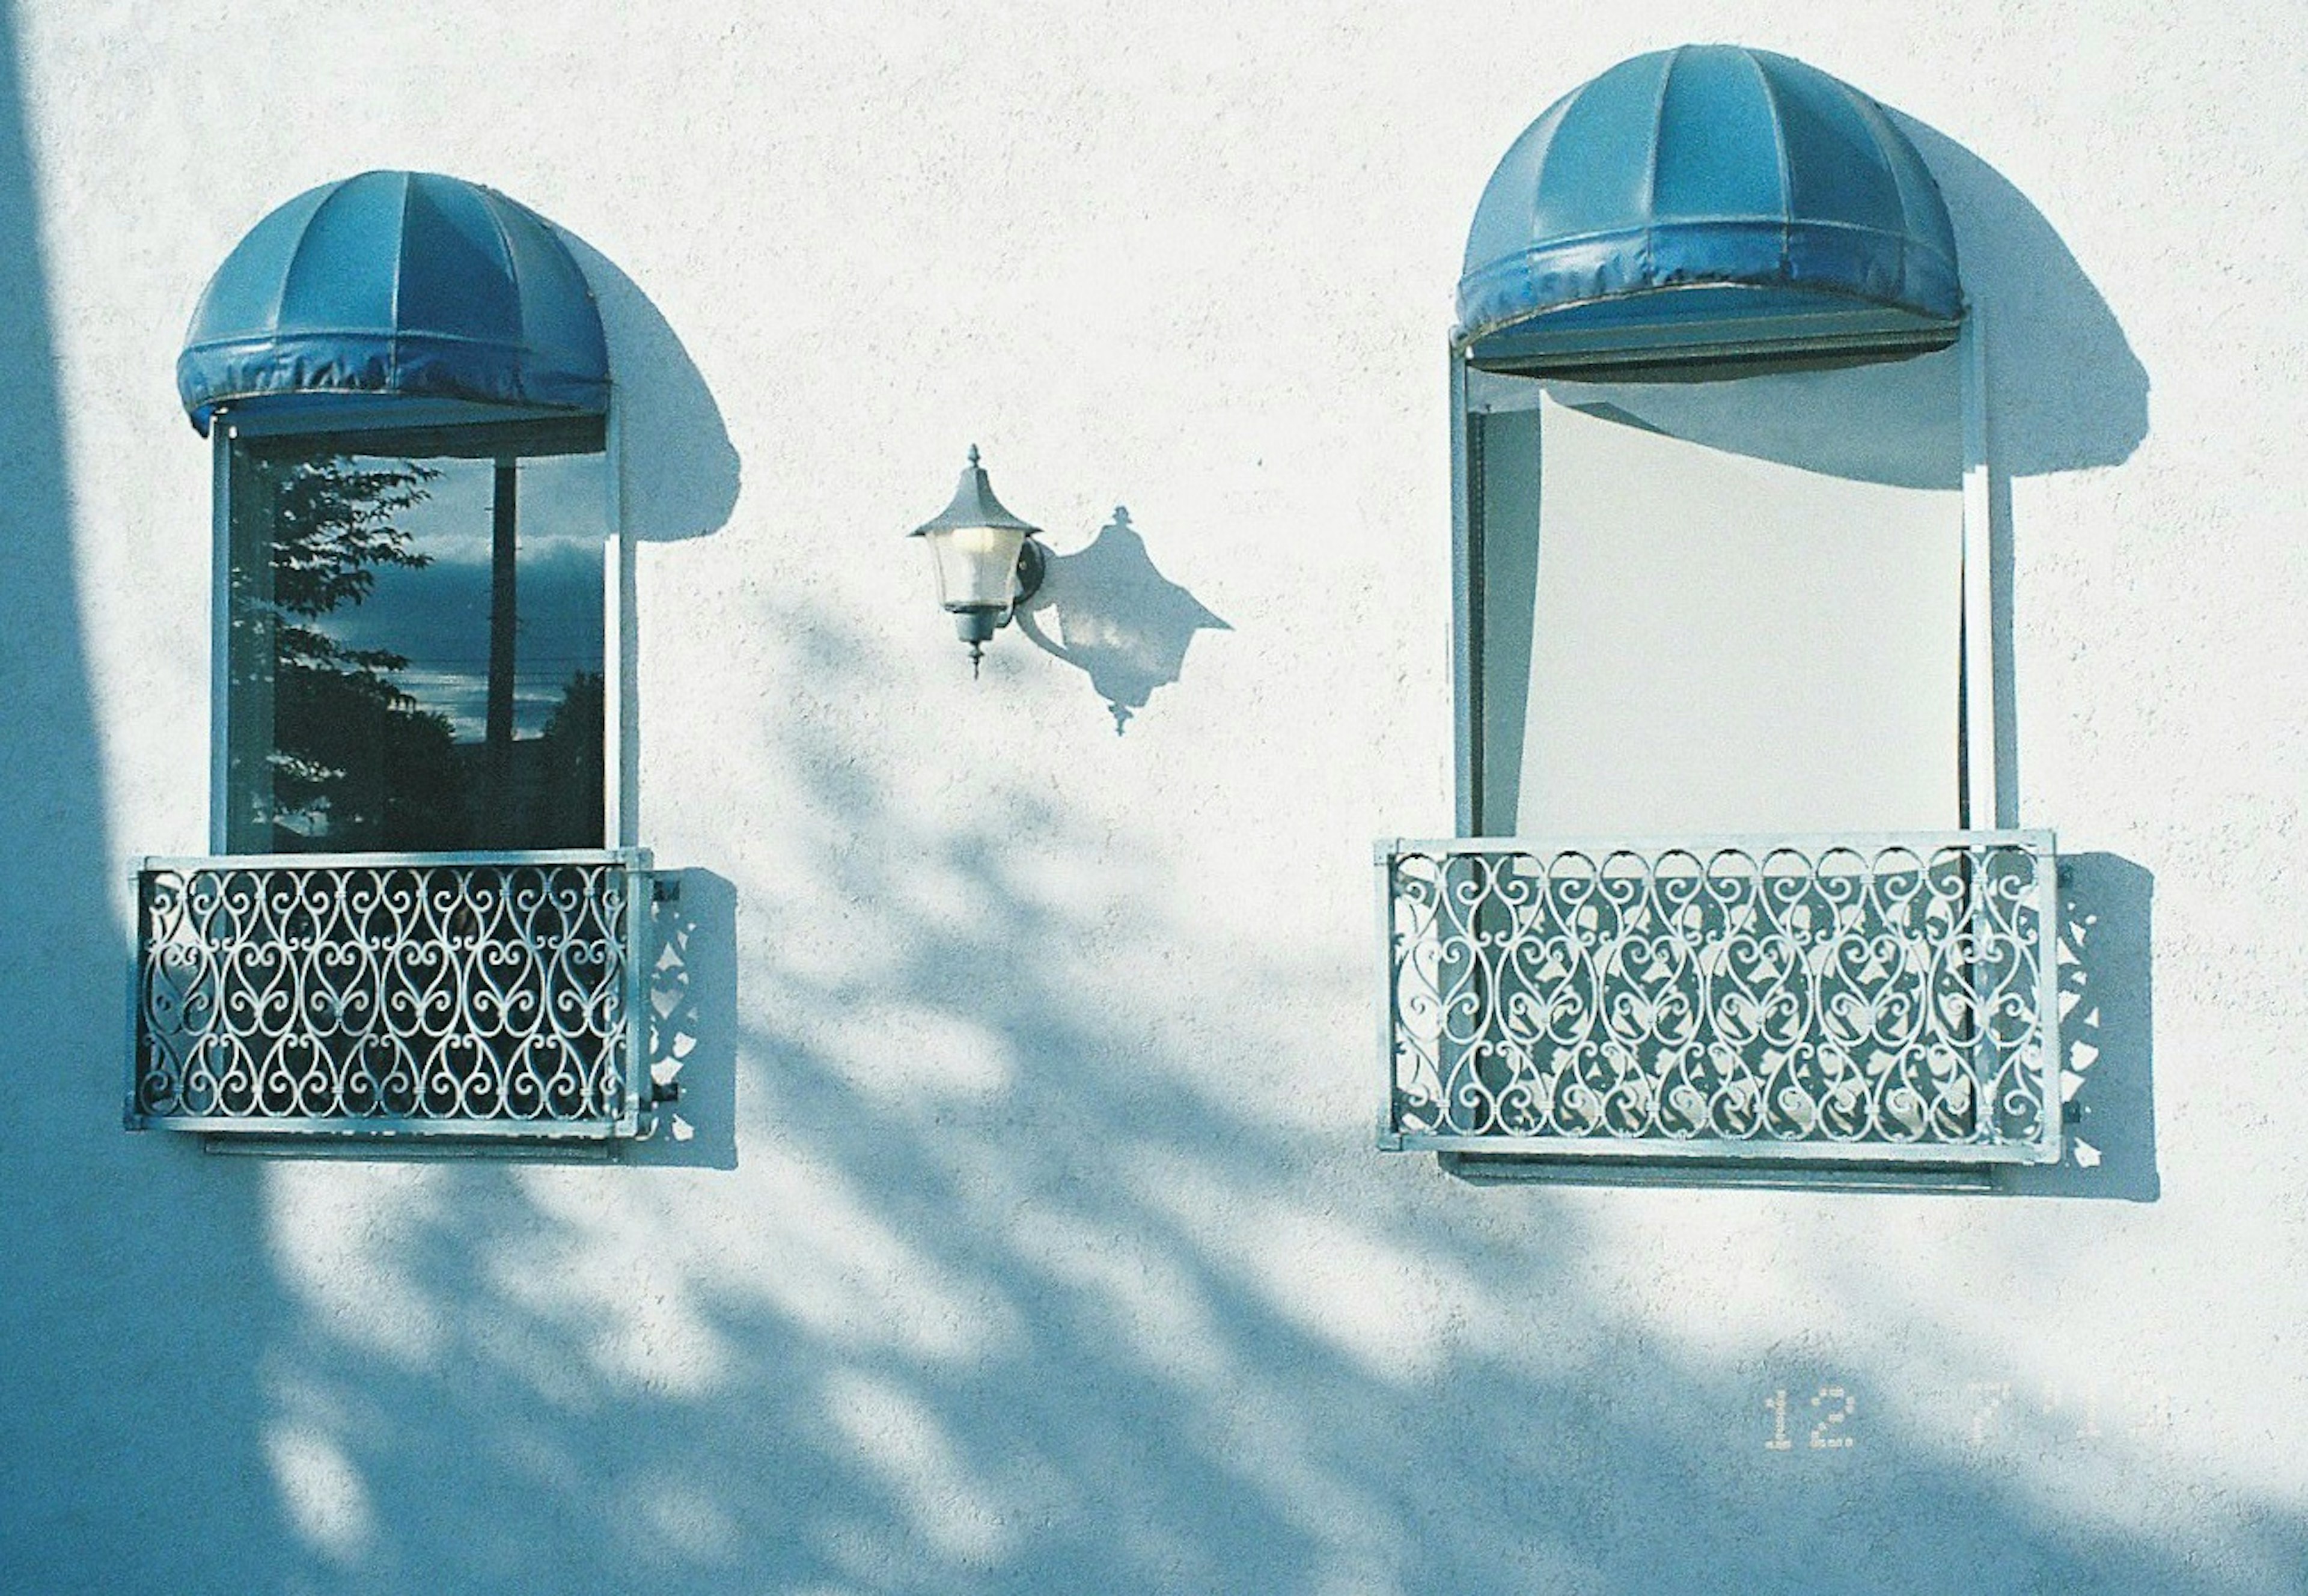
(1030, 1238)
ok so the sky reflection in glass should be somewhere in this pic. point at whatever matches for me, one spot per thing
(437, 616)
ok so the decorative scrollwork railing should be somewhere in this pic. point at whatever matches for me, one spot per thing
(444, 995)
(1883, 999)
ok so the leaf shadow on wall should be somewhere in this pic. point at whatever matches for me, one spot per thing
(1119, 621)
(1039, 1275)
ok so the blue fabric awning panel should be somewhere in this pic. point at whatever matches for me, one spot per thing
(397, 286)
(1708, 200)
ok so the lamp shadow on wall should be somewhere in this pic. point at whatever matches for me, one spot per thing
(1117, 618)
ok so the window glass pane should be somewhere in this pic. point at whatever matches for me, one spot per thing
(1721, 607)
(417, 648)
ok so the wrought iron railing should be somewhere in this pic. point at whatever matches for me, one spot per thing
(472, 995)
(1886, 999)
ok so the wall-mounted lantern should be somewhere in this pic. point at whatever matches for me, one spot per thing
(987, 560)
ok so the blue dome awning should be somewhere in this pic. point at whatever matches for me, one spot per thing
(360, 295)
(1707, 203)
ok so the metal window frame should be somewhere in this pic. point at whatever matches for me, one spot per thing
(620, 754)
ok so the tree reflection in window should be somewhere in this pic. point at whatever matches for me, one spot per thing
(417, 645)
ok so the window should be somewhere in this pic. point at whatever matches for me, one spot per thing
(414, 924)
(1717, 903)
(1722, 663)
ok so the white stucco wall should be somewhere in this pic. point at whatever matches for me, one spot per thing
(1084, 1276)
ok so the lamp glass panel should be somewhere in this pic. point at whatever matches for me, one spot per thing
(977, 566)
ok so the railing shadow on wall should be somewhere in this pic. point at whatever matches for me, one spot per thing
(1118, 620)
(2107, 1034)
(693, 1023)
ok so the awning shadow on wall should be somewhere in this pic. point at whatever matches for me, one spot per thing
(2065, 391)
(680, 473)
